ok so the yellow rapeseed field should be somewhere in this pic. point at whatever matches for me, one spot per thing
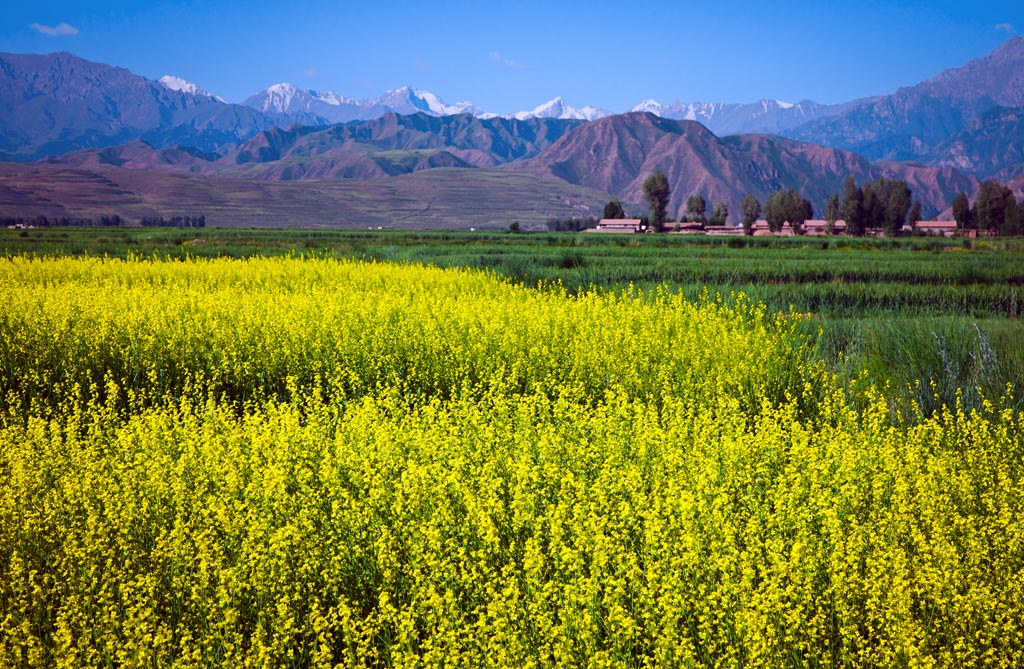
(319, 463)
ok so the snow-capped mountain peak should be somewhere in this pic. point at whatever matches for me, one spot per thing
(291, 104)
(285, 98)
(331, 98)
(322, 106)
(551, 109)
(650, 105)
(408, 99)
(557, 108)
(178, 84)
(279, 97)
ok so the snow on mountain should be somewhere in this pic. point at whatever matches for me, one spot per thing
(331, 98)
(725, 118)
(280, 98)
(651, 106)
(288, 98)
(290, 104)
(694, 111)
(409, 100)
(178, 84)
(557, 108)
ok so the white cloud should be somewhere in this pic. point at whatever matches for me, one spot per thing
(59, 30)
(504, 62)
(310, 72)
(422, 65)
(1006, 28)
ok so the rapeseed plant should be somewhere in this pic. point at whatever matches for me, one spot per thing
(326, 463)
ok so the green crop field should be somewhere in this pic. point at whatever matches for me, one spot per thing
(319, 449)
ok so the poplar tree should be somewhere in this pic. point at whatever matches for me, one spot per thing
(656, 193)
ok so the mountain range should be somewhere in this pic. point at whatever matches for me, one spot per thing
(919, 122)
(612, 155)
(289, 104)
(618, 153)
(941, 136)
(59, 102)
(117, 106)
(387, 146)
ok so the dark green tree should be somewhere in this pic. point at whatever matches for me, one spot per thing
(853, 208)
(696, 208)
(656, 193)
(914, 217)
(1014, 223)
(613, 209)
(990, 206)
(775, 211)
(798, 211)
(719, 214)
(962, 212)
(833, 212)
(787, 205)
(897, 206)
(874, 208)
(886, 204)
(751, 210)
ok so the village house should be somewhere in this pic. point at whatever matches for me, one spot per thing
(683, 227)
(723, 230)
(760, 228)
(820, 227)
(944, 228)
(620, 225)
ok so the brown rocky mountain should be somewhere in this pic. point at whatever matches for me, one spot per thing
(387, 146)
(612, 155)
(138, 155)
(617, 153)
(912, 122)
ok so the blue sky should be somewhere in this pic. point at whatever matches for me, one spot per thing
(510, 56)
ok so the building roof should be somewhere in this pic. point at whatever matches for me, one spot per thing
(619, 222)
(821, 223)
(618, 225)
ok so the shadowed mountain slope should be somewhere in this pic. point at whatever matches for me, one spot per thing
(991, 147)
(912, 122)
(51, 104)
(387, 146)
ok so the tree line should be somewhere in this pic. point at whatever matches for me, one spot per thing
(884, 205)
(578, 224)
(62, 222)
(174, 222)
(995, 210)
(105, 221)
